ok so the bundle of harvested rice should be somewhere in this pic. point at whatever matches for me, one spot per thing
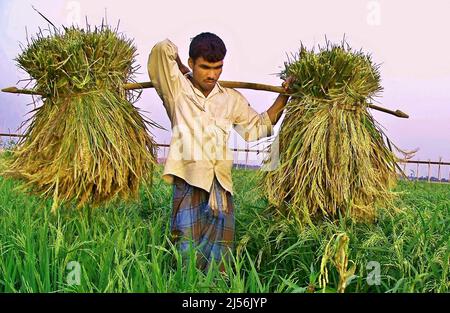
(333, 159)
(87, 141)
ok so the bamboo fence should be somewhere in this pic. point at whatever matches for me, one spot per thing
(402, 162)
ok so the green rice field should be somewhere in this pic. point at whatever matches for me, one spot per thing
(125, 247)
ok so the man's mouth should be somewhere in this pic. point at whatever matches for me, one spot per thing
(210, 82)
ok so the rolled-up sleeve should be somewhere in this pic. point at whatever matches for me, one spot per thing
(164, 73)
(248, 123)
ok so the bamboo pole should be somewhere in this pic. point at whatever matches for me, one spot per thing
(11, 135)
(246, 154)
(237, 158)
(417, 171)
(439, 169)
(423, 162)
(429, 169)
(397, 113)
(224, 83)
(22, 91)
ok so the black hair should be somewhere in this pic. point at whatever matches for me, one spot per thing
(209, 46)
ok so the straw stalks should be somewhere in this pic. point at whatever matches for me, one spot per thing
(87, 142)
(333, 159)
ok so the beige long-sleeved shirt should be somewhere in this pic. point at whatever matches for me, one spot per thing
(201, 125)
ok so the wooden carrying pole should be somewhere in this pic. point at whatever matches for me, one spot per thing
(224, 83)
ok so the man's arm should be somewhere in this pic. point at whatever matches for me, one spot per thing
(248, 123)
(276, 110)
(164, 72)
(253, 126)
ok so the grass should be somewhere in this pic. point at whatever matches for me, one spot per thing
(124, 247)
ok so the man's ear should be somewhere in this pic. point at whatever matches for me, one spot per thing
(191, 63)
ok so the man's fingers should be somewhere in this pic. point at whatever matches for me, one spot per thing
(286, 84)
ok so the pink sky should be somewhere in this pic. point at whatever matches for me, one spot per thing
(409, 38)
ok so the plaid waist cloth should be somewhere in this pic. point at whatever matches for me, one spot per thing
(204, 221)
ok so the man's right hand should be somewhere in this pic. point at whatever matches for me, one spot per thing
(183, 68)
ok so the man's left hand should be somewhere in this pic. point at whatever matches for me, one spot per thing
(287, 84)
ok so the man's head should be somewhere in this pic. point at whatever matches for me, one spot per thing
(206, 54)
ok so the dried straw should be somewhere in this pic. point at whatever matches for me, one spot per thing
(333, 158)
(87, 142)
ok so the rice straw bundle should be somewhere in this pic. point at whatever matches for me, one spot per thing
(86, 142)
(333, 159)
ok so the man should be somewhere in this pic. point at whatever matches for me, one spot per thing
(202, 113)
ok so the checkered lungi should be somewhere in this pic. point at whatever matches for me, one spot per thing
(204, 221)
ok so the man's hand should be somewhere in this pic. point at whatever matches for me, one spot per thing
(277, 107)
(183, 68)
(287, 84)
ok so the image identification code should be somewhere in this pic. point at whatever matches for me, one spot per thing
(230, 303)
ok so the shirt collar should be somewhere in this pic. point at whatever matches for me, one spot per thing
(217, 87)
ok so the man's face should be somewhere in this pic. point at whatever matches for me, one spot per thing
(205, 74)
